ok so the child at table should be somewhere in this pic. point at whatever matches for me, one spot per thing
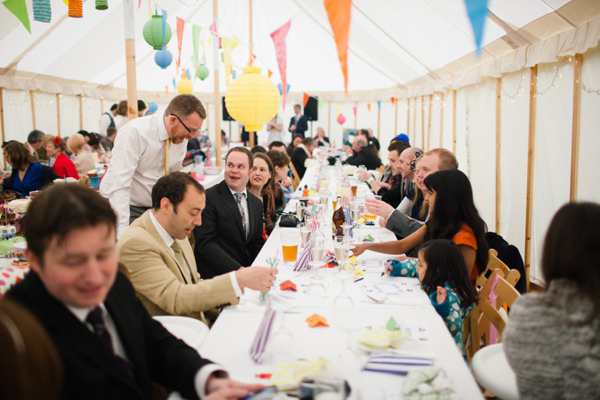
(443, 274)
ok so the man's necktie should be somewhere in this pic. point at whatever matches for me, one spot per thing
(238, 198)
(95, 318)
(167, 145)
(179, 257)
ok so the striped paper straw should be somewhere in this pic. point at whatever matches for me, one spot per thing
(392, 362)
(259, 344)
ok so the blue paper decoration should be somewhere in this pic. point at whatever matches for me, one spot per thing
(477, 11)
(152, 107)
(187, 74)
(163, 58)
(378, 103)
(42, 11)
(281, 90)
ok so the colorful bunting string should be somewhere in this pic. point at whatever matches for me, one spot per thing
(278, 37)
(338, 12)
(19, 10)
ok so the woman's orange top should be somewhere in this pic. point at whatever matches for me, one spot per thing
(465, 236)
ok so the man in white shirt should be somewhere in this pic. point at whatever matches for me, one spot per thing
(160, 260)
(146, 149)
(34, 142)
(107, 120)
(109, 345)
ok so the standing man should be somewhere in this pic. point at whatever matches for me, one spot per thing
(231, 232)
(298, 123)
(157, 253)
(109, 346)
(146, 149)
(107, 120)
(34, 143)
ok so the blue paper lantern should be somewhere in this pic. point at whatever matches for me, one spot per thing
(153, 107)
(163, 58)
(281, 90)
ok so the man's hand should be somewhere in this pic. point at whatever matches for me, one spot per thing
(383, 222)
(226, 389)
(379, 207)
(348, 150)
(293, 128)
(256, 278)
(364, 175)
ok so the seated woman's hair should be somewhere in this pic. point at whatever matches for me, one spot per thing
(454, 205)
(571, 249)
(18, 154)
(59, 143)
(446, 264)
(30, 365)
(75, 143)
(279, 158)
(258, 149)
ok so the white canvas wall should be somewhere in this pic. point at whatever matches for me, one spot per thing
(46, 119)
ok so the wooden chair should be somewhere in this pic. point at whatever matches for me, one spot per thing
(295, 177)
(510, 275)
(381, 169)
(484, 315)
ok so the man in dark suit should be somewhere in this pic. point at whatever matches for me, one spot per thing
(109, 346)
(302, 152)
(298, 123)
(362, 154)
(231, 234)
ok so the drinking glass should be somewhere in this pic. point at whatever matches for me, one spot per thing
(340, 252)
(281, 347)
(289, 245)
(348, 362)
(305, 234)
(315, 293)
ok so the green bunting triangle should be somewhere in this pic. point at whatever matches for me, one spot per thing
(19, 9)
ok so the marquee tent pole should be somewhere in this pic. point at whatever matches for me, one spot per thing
(429, 124)
(530, 165)
(32, 108)
(58, 114)
(355, 111)
(395, 118)
(81, 111)
(423, 123)
(414, 137)
(576, 126)
(442, 120)
(217, 95)
(498, 143)
(378, 121)
(454, 121)
(132, 108)
(329, 122)
(408, 117)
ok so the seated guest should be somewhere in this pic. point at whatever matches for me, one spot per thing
(63, 166)
(296, 140)
(94, 143)
(321, 139)
(157, 254)
(383, 182)
(109, 345)
(27, 175)
(301, 153)
(362, 154)
(42, 151)
(83, 159)
(34, 143)
(453, 216)
(262, 185)
(404, 176)
(231, 232)
(258, 149)
(224, 138)
(551, 339)
(276, 145)
(108, 142)
(398, 222)
(281, 166)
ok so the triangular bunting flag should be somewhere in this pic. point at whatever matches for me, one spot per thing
(338, 12)
(19, 9)
(477, 11)
(180, 26)
(306, 97)
(270, 73)
(278, 37)
(369, 107)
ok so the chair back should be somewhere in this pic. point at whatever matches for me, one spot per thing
(381, 170)
(295, 177)
(510, 275)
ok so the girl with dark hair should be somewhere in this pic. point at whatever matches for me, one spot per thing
(453, 216)
(281, 165)
(441, 270)
(63, 166)
(262, 185)
(552, 340)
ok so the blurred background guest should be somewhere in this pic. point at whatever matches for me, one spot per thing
(27, 175)
(34, 143)
(84, 161)
(262, 185)
(107, 120)
(63, 166)
(275, 129)
(321, 139)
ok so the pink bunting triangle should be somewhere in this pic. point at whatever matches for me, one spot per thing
(278, 37)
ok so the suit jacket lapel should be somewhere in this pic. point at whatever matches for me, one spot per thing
(229, 201)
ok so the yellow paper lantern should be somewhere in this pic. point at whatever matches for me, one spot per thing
(185, 86)
(252, 99)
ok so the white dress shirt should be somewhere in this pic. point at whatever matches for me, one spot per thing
(169, 240)
(202, 375)
(245, 207)
(104, 123)
(137, 163)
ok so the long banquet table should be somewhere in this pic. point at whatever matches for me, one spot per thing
(230, 338)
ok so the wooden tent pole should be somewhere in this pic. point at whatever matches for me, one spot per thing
(530, 165)
(329, 122)
(454, 121)
(423, 123)
(132, 108)
(408, 117)
(395, 118)
(31, 98)
(442, 120)
(2, 122)
(378, 121)
(250, 134)
(575, 132)
(498, 144)
(355, 114)
(429, 124)
(414, 138)
(217, 94)
(57, 114)
(81, 111)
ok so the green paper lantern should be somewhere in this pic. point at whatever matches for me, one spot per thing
(202, 72)
(101, 4)
(153, 33)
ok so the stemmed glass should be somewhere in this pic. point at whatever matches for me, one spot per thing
(317, 251)
(341, 250)
(345, 319)
(281, 345)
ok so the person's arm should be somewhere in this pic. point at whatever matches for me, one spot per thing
(441, 302)
(127, 151)
(395, 246)
(292, 127)
(405, 206)
(152, 278)
(402, 224)
(469, 254)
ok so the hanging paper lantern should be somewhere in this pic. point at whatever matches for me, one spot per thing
(252, 99)
(185, 86)
(152, 107)
(341, 119)
(163, 58)
(153, 33)
(42, 11)
(101, 4)
(281, 90)
(75, 8)
(202, 71)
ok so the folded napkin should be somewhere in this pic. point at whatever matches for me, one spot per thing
(305, 257)
(428, 383)
(288, 285)
(392, 362)
(316, 320)
(259, 344)
(288, 376)
(382, 339)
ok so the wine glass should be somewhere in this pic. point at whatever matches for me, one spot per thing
(345, 318)
(315, 293)
(281, 347)
(317, 250)
(340, 252)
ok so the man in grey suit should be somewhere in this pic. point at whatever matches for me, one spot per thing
(396, 221)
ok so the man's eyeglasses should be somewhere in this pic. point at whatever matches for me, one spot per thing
(184, 125)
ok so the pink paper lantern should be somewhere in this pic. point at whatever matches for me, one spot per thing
(341, 119)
